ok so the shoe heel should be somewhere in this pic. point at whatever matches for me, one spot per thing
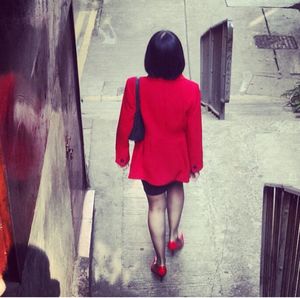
(159, 270)
(176, 245)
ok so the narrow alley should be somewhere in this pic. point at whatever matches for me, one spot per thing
(73, 224)
(256, 143)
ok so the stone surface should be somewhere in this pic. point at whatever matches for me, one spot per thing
(256, 144)
(51, 239)
(262, 3)
(81, 288)
(222, 216)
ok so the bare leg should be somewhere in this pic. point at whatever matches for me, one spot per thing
(175, 202)
(2, 286)
(156, 224)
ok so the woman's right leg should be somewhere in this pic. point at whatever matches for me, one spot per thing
(175, 202)
(156, 224)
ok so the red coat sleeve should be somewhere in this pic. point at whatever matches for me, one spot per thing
(194, 132)
(125, 124)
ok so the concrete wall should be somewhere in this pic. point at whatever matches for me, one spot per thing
(52, 228)
(41, 134)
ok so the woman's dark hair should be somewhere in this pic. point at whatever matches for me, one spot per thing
(164, 56)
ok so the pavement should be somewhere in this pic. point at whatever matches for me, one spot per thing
(258, 142)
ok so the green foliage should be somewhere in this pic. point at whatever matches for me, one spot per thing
(293, 96)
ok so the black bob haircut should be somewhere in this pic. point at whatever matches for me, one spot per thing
(164, 56)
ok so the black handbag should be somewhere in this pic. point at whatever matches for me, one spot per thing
(138, 130)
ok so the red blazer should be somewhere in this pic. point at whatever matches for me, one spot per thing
(172, 147)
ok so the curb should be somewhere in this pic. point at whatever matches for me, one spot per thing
(81, 283)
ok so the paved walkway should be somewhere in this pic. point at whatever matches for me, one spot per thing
(257, 143)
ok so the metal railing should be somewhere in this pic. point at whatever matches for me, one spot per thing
(216, 57)
(280, 251)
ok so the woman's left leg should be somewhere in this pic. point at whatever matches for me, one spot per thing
(175, 202)
(156, 224)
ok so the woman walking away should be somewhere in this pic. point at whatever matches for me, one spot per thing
(171, 150)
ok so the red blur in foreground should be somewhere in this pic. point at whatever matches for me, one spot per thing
(6, 88)
(5, 223)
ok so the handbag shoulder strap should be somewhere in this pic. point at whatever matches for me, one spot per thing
(137, 94)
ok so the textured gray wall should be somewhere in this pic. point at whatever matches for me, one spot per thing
(41, 133)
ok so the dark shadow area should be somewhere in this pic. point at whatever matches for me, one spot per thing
(295, 6)
(36, 279)
(69, 103)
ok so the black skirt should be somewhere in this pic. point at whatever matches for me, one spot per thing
(154, 190)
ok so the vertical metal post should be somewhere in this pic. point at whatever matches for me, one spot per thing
(216, 44)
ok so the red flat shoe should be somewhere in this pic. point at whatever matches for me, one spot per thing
(159, 270)
(176, 245)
